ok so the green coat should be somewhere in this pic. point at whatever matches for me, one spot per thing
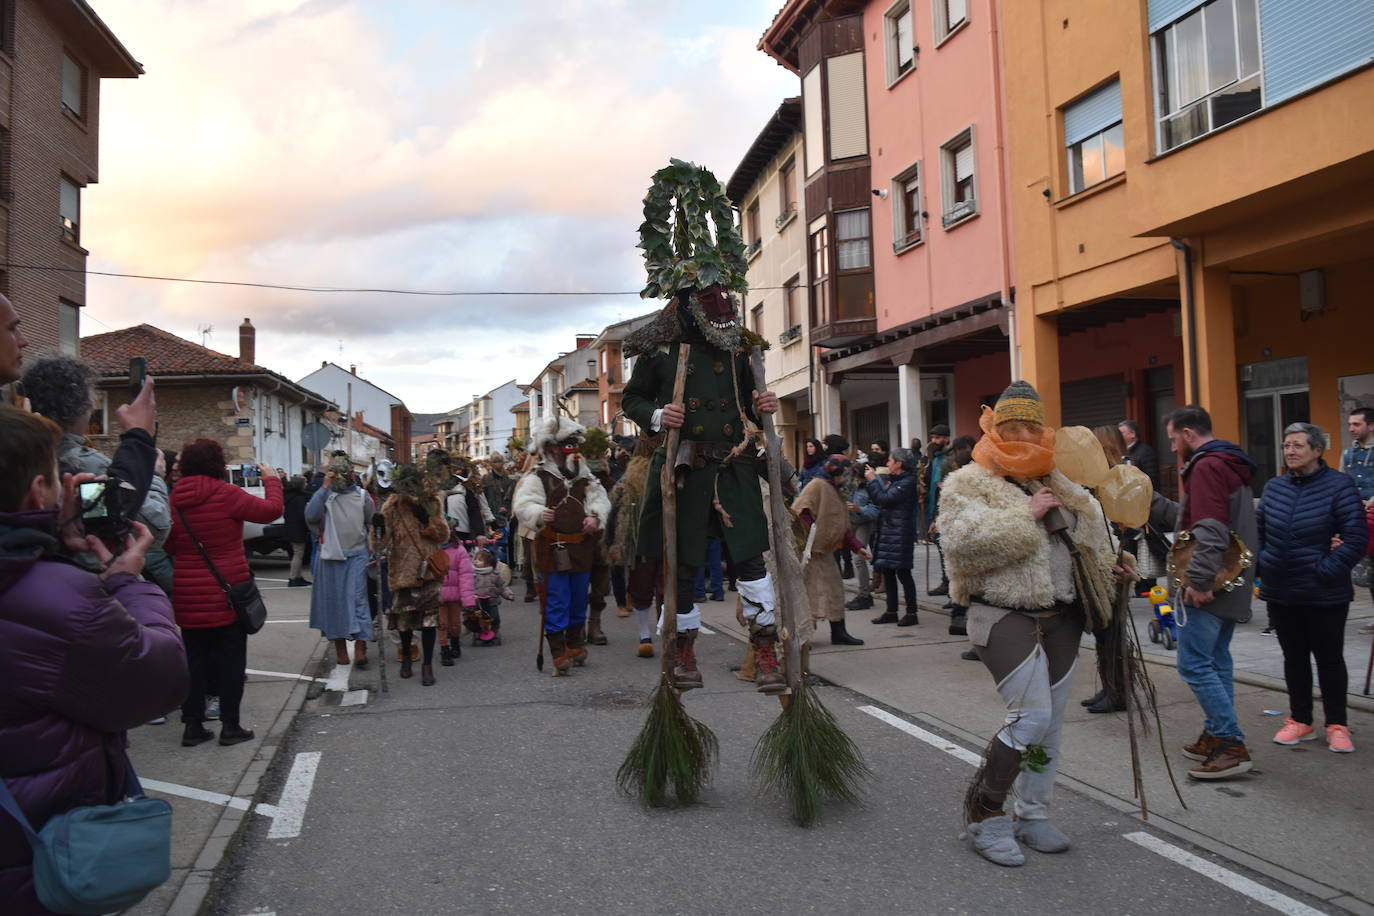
(713, 415)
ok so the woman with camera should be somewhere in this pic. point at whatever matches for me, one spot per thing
(210, 510)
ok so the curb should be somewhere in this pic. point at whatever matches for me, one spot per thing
(191, 898)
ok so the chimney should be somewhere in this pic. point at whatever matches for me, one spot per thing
(323, 363)
(353, 370)
(248, 349)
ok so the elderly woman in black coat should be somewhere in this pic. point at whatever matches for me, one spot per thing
(894, 536)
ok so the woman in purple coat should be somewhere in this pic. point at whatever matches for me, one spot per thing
(83, 656)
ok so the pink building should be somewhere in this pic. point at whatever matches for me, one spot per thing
(905, 197)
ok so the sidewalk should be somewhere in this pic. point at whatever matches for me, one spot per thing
(213, 788)
(1298, 815)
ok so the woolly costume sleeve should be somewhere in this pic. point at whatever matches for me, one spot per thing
(980, 527)
(598, 503)
(528, 503)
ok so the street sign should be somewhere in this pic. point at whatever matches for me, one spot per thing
(242, 421)
(315, 436)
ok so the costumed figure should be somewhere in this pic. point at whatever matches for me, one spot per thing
(564, 507)
(644, 573)
(491, 583)
(415, 532)
(823, 511)
(1028, 552)
(595, 452)
(465, 503)
(340, 514)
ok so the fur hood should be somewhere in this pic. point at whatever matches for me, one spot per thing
(553, 430)
(994, 548)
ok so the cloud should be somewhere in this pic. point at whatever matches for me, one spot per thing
(413, 144)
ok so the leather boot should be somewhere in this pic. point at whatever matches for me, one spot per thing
(406, 663)
(941, 589)
(558, 652)
(768, 676)
(594, 634)
(747, 668)
(341, 652)
(839, 636)
(360, 654)
(426, 675)
(685, 673)
(577, 645)
(446, 656)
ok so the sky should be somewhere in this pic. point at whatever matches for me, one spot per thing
(406, 144)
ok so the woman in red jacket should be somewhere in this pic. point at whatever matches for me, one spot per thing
(205, 503)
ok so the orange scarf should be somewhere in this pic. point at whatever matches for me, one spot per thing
(1023, 460)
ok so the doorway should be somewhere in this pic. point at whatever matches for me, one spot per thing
(1275, 395)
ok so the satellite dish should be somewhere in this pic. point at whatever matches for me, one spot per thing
(315, 436)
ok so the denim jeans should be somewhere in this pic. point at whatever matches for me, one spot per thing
(713, 567)
(1204, 663)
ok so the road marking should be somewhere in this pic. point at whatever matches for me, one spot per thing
(934, 740)
(707, 630)
(295, 620)
(1224, 876)
(295, 795)
(338, 677)
(214, 798)
(1238, 883)
(284, 674)
(354, 698)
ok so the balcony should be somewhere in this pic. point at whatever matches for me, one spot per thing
(788, 214)
(791, 335)
(754, 248)
(843, 332)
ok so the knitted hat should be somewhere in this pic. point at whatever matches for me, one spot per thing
(836, 444)
(939, 429)
(1020, 402)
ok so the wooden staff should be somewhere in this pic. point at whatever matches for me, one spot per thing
(667, 485)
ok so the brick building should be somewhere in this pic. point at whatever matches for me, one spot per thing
(53, 55)
(256, 414)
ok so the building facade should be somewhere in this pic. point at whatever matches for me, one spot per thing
(1193, 210)
(613, 371)
(53, 55)
(766, 188)
(378, 406)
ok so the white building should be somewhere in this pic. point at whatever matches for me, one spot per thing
(378, 407)
(491, 422)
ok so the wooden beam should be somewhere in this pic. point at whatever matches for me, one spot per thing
(906, 347)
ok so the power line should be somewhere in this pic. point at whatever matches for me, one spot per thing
(331, 289)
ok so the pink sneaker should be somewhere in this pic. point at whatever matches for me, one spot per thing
(1293, 732)
(1338, 739)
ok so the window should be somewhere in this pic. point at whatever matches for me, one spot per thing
(787, 188)
(789, 302)
(756, 319)
(73, 86)
(69, 208)
(960, 198)
(949, 16)
(853, 247)
(68, 327)
(1092, 138)
(1207, 70)
(751, 228)
(906, 209)
(820, 275)
(901, 41)
(846, 110)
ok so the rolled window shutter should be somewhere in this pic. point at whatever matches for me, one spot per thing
(848, 119)
(811, 104)
(904, 43)
(1307, 44)
(69, 201)
(963, 163)
(1093, 113)
(1163, 12)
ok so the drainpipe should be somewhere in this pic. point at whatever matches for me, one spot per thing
(1190, 317)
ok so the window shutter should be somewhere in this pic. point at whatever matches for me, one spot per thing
(848, 120)
(72, 79)
(811, 108)
(1163, 12)
(1093, 113)
(1093, 402)
(69, 202)
(905, 54)
(957, 11)
(1307, 44)
(963, 162)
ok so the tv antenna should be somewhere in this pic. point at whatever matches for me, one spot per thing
(206, 331)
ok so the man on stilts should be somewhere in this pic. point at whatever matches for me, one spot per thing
(565, 506)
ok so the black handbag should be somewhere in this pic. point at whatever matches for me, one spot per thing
(244, 598)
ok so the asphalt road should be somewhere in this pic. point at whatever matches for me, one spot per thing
(494, 792)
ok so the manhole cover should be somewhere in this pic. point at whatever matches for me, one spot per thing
(617, 699)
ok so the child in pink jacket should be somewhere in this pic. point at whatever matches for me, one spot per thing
(458, 593)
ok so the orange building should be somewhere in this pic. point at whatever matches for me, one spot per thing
(1192, 195)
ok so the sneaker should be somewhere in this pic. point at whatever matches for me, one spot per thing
(970, 655)
(886, 617)
(909, 619)
(1338, 740)
(211, 708)
(1200, 749)
(1293, 732)
(859, 603)
(1229, 759)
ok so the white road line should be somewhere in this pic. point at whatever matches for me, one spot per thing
(283, 674)
(295, 795)
(338, 677)
(930, 738)
(1238, 883)
(214, 798)
(354, 698)
(708, 631)
(293, 620)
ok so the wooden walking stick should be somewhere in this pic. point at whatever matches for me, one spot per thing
(672, 747)
(804, 755)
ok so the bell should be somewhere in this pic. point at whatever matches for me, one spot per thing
(1079, 456)
(1125, 494)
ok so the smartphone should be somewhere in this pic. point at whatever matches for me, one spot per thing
(250, 470)
(95, 509)
(138, 374)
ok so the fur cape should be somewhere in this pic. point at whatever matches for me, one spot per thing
(994, 548)
(626, 500)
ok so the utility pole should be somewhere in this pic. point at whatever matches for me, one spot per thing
(350, 421)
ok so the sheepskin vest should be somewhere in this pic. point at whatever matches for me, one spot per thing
(997, 551)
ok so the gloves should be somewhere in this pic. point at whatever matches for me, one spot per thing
(420, 514)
